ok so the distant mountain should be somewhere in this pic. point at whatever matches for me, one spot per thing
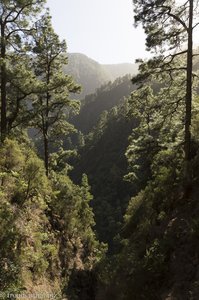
(120, 70)
(87, 72)
(91, 75)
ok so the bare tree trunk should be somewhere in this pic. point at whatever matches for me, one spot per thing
(3, 86)
(187, 147)
(46, 154)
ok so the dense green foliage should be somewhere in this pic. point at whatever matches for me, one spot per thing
(17, 80)
(158, 255)
(46, 224)
(104, 162)
(108, 209)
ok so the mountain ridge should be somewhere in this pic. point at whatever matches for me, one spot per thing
(91, 75)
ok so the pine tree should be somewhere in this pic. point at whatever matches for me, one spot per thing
(159, 112)
(16, 26)
(53, 102)
(169, 27)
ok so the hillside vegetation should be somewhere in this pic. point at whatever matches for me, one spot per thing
(103, 203)
(106, 97)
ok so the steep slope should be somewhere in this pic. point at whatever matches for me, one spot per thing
(45, 228)
(159, 259)
(87, 72)
(102, 159)
(106, 128)
(105, 98)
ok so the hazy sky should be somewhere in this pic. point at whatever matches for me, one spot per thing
(101, 29)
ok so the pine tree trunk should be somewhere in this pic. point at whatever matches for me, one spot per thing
(187, 147)
(46, 125)
(3, 86)
(46, 154)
